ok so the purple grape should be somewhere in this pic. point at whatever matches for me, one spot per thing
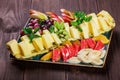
(34, 21)
(22, 32)
(31, 20)
(40, 31)
(36, 25)
(44, 27)
(30, 24)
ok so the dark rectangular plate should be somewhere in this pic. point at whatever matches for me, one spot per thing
(36, 58)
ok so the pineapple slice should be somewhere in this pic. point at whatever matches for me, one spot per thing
(103, 24)
(75, 33)
(14, 47)
(85, 30)
(95, 19)
(67, 28)
(49, 35)
(93, 29)
(56, 38)
(108, 18)
(38, 43)
(26, 39)
(46, 41)
(25, 48)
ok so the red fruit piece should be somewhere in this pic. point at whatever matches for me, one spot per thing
(99, 45)
(66, 19)
(56, 55)
(54, 16)
(76, 47)
(83, 44)
(91, 43)
(71, 50)
(64, 53)
(22, 33)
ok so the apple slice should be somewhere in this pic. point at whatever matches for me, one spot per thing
(37, 14)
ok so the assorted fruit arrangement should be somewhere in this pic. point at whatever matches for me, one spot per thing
(73, 37)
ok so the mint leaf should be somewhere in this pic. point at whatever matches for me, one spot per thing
(87, 19)
(36, 29)
(27, 30)
(74, 23)
(36, 36)
(51, 29)
(79, 14)
(79, 29)
(31, 37)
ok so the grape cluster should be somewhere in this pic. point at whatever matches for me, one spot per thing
(46, 24)
(36, 23)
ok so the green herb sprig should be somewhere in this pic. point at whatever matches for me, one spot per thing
(80, 17)
(31, 33)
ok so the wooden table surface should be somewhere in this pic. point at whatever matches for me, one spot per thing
(13, 16)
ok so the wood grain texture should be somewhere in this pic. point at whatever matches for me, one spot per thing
(13, 16)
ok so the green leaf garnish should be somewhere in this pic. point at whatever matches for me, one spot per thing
(51, 29)
(80, 17)
(27, 30)
(79, 29)
(31, 33)
(74, 23)
(36, 30)
(88, 18)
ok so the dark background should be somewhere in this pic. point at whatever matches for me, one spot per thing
(13, 16)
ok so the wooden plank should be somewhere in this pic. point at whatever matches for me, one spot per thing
(11, 20)
(113, 66)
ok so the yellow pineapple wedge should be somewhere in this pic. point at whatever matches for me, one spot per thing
(95, 19)
(93, 29)
(25, 48)
(85, 30)
(103, 24)
(75, 33)
(56, 38)
(14, 47)
(26, 39)
(38, 43)
(108, 18)
(46, 41)
(49, 35)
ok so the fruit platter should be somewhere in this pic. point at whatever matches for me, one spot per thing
(74, 38)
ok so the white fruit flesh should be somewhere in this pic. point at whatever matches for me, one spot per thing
(74, 60)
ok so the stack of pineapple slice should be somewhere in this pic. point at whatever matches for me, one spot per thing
(100, 23)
